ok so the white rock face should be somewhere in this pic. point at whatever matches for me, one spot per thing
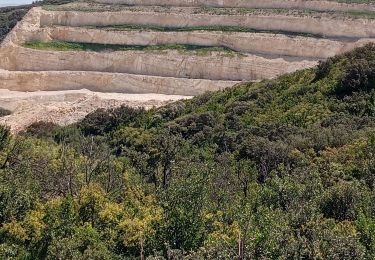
(181, 17)
(106, 82)
(217, 66)
(56, 85)
(165, 64)
(26, 69)
(258, 43)
(319, 5)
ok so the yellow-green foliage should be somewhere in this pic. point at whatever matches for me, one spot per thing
(284, 167)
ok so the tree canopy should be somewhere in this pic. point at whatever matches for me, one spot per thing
(278, 169)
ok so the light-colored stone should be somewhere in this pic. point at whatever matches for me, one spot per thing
(67, 107)
(212, 66)
(163, 64)
(319, 5)
(106, 82)
(256, 43)
(57, 77)
(181, 17)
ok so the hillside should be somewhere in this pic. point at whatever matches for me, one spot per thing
(65, 59)
(284, 167)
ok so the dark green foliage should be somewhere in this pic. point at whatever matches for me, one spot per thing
(323, 69)
(196, 127)
(340, 201)
(267, 154)
(284, 167)
(4, 112)
(359, 76)
(14, 203)
(103, 121)
(359, 71)
(185, 228)
(40, 129)
(4, 136)
(78, 46)
(9, 18)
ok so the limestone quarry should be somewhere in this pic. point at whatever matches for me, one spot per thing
(61, 62)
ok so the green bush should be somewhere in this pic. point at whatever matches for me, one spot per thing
(4, 112)
(359, 76)
(40, 129)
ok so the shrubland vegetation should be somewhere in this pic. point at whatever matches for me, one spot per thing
(285, 168)
(282, 169)
(9, 16)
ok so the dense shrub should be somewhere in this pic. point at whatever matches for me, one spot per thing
(103, 121)
(9, 18)
(40, 129)
(197, 127)
(323, 69)
(280, 169)
(340, 202)
(4, 112)
(359, 76)
(4, 136)
(358, 70)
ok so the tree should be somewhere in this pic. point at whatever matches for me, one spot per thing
(4, 136)
(167, 145)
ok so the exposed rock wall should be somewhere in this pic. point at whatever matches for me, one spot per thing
(330, 27)
(159, 63)
(261, 43)
(151, 73)
(319, 5)
(170, 72)
(106, 82)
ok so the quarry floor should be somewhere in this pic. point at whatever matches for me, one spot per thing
(67, 107)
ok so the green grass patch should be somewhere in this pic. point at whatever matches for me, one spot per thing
(217, 28)
(362, 14)
(77, 46)
(55, 45)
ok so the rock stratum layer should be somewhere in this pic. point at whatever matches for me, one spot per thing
(322, 25)
(319, 5)
(113, 82)
(181, 48)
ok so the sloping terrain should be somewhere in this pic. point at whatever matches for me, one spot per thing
(278, 169)
(175, 47)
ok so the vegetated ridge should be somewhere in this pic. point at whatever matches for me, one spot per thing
(197, 54)
(282, 167)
